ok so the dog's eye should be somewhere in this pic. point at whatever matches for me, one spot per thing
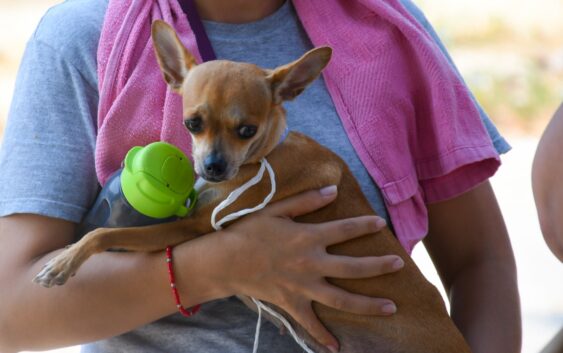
(195, 125)
(247, 131)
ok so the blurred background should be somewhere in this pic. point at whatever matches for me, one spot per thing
(510, 52)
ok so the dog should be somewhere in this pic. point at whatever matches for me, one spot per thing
(227, 152)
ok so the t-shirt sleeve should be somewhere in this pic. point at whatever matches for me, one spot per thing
(447, 176)
(47, 153)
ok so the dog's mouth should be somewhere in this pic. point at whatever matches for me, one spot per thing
(212, 179)
(216, 178)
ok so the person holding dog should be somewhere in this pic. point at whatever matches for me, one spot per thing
(117, 300)
(547, 174)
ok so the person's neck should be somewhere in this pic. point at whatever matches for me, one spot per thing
(236, 11)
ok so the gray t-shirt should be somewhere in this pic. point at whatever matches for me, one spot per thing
(47, 157)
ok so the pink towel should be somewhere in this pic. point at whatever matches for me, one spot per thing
(408, 115)
(136, 107)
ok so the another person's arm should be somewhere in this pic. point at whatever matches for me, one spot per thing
(547, 183)
(469, 245)
(265, 255)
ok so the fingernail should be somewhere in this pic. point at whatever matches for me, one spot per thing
(389, 308)
(380, 222)
(328, 190)
(397, 264)
(333, 349)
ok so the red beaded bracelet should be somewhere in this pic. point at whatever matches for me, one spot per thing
(186, 312)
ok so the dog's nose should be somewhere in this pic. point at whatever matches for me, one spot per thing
(215, 165)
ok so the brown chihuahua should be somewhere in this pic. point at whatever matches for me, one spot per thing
(234, 114)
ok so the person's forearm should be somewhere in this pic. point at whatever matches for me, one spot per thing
(485, 306)
(112, 293)
(115, 292)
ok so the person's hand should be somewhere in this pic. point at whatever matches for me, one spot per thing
(270, 257)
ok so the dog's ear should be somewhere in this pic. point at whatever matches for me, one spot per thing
(288, 81)
(174, 59)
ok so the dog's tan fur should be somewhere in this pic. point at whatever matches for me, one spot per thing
(421, 324)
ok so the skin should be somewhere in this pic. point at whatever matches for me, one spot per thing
(479, 276)
(547, 173)
(469, 245)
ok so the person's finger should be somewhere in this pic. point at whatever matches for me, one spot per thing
(339, 231)
(307, 318)
(359, 267)
(303, 203)
(342, 300)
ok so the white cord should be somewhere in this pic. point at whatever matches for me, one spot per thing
(283, 320)
(258, 325)
(217, 225)
(234, 195)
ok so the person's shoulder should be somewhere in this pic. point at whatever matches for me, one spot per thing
(72, 22)
(71, 31)
(72, 27)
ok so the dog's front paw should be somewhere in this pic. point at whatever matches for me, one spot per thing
(58, 270)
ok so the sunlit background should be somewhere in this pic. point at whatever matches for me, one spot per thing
(510, 52)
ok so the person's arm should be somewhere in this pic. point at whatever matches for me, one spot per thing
(265, 255)
(547, 183)
(469, 245)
